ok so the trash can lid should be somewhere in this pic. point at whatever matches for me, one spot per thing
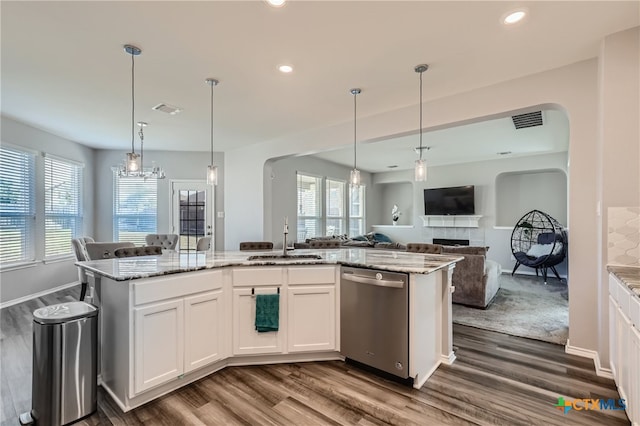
(64, 312)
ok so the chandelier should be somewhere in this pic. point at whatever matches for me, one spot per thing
(133, 164)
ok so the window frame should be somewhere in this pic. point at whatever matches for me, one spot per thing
(363, 216)
(147, 219)
(319, 200)
(343, 217)
(76, 168)
(26, 186)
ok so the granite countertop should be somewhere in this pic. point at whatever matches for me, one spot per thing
(629, 275)
(122, 269)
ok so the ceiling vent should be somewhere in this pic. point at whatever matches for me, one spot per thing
(530, 119)
(166, 108)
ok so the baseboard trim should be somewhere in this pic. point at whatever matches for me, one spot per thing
(36, 295)
(588, 353)
(506, 271)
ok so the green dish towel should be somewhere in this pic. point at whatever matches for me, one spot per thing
(267, 312)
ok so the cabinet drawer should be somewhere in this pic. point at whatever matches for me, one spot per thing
(312, 275)
(257, 276)
(154, 289)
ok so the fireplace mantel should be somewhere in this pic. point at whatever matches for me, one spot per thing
(452, 221)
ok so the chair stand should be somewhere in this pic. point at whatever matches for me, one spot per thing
(83, 291)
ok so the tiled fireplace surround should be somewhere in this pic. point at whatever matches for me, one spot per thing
(474, 235)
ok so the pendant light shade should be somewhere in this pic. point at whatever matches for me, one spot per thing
(420, 172)
(133, 163)
(212, 170)
(354, 178)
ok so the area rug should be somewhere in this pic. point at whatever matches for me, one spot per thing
(525, 307)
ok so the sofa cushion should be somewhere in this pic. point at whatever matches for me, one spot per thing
(465, 250)
(424, 248)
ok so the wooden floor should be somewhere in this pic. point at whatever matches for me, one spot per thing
(496, 380)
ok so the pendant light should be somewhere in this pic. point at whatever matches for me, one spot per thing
(212, 170)
(133, 164)
(354, 179)
(420, 174)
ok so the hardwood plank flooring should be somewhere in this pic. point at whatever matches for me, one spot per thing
(496, 380)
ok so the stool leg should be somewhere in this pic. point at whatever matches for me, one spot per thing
(83, 291)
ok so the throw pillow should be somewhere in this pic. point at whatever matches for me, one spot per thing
(539, 250)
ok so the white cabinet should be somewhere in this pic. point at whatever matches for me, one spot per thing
(624, 343)
(158, 343)
(634, 364)
(311, 309)
(246, 340)
(312, 318)
(177, 328)
(203, 334)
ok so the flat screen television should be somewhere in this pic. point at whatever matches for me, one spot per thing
(458, 200)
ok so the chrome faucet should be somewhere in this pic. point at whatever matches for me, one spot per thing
(286, 231)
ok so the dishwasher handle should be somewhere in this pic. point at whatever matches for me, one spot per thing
(373, 281)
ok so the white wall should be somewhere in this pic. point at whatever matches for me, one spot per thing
(572, 88)
(177, 165)
(399, 194)
(483, 175)
(618, 148)
(40, 277)
(281, 192)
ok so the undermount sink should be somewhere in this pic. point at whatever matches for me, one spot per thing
(283, 257)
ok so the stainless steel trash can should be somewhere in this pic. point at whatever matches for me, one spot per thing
(65, 350)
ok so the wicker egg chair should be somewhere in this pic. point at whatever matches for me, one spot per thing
(540, 242)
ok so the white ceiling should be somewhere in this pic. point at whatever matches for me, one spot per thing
(64, 69)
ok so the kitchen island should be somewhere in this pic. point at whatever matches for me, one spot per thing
(169, 320)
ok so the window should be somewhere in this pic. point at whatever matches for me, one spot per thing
(356, 211)
(309, 207)
(62, 205)
(134, 209)
(335, 214)
(17, 209)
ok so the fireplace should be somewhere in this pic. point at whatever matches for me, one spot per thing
(450, 242)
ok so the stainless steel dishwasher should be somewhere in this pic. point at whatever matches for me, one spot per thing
(374, 320)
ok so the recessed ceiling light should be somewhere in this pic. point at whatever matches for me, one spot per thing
(514, 17)
(285, 68)
(276, 3)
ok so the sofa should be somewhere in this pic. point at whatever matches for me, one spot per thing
(476, 279)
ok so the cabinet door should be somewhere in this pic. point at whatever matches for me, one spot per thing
(311, 318)
(623, 340)
(613, 337)
(246, 340)
(203, 331)
(634, 387)
(158, 344)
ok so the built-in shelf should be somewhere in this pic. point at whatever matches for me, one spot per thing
(452, 221)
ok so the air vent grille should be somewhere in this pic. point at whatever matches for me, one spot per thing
(166, 108)
(530, 119)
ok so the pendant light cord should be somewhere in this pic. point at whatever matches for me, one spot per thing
(355, 155)
(133, 104)
(420, 115)
(212, 124)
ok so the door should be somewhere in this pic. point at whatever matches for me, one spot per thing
(311, 321)
(203, 334)
(192, 217)
(158, 343)
(246, 340)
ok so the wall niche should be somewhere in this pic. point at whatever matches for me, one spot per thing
(399, 194)
(520, 192)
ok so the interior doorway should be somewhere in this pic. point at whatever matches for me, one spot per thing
(192, 206)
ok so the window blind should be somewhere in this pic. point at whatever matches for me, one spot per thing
(17, 208)
(62, 205)
(309, 207)
(356, 211)
(134, 209)
(335, 201)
